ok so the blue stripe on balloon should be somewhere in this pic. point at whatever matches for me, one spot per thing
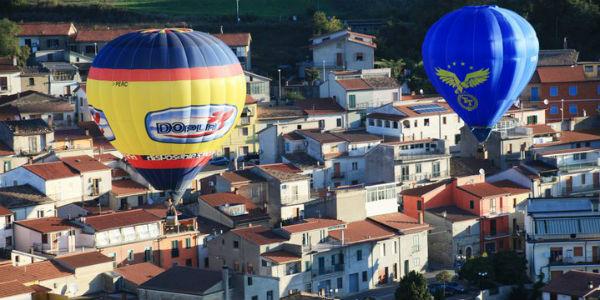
(169, 179)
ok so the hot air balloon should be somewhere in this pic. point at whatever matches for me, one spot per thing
(166, 99)
(480, 58)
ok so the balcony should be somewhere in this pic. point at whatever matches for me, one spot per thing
(294, 199)
(181, 228)
(422, 176)
(549, 179)
(338, 175)
(399, 157)
(581, 189)
(496, 235)
(577, 166)
(244, 121)
(323, 246)
(327, 270)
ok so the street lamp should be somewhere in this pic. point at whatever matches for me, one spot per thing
(279, 89)
(562, 112)
(237, 10)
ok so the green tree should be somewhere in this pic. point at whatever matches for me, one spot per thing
(518, 293)
(322, 25)
(443, 277)
(294, 96)
(509, 267)
(9, 44)
(396, 66)
(413, 286)
(311, 74)
(473, 269)
(23, 55)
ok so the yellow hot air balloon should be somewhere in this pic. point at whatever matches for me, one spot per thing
(166, 99)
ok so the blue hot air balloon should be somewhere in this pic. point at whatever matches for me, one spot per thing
(480, 58)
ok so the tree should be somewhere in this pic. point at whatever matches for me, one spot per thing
(9, 44)
(294, 96)
(518, 293)
(396, 66)
(413, 286)
(510, 268)
(322, 25)
(473, 269)
(311, 74)
(443, 277)
(23, 55)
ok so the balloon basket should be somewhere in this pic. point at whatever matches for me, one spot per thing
(481, 133)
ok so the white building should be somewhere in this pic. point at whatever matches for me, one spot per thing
(10, 80)
(49, 235)
(572, 285)
(343, 50)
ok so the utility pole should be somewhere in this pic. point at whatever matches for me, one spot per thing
(279, 89)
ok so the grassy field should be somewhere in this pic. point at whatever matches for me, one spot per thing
(258, 8)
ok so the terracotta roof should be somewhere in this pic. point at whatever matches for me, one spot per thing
(127, 187)
(401, 222)
(14, 288)
(511, 187)
(539, 129)
(568, 151)
(239, 176)
(452, 213)
(573, 283)
(158, 209)
(106, 157)
(45, 270)
(9, 273)
(218, 199)
(302, 160)
(46, 225)
(354, 84)
(5, 211)
(258, 235)
(483, 189)
(36, 102)
(233, 177)
(7, 64)
(139, 273)
(250, 100)
(526, 172)
(560, 74)
(283, 172)
(567, 137)
(281, 256)
(321, 106)
(44, 29)
(118, 173)
(184, 280)
(100, 35)
(121, 219)
(235, 39)
(51, 170)
(21, 196)
(84, 163)
(321, 137)
(80, 260)
(293, 136)
(362, 231)
(5, 150)
(424, 189)
(311, 224)
(27, 127)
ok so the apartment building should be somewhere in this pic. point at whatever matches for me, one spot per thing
(230, 210)
(46, 36)
(240, 45)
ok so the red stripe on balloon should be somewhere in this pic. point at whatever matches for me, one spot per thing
(169, 164)
(165, 74)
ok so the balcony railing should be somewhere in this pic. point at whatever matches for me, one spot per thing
(426, 155)
(496, 235)
(422, 176)
(577, 166)
(181, 228)
(579, 189)
(549, 179)
(338, 175)
(328, 269)
(244, 120)
(294, 199)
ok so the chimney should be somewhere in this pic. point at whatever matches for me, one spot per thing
(225, 282)
(221, 29)
(421, 217)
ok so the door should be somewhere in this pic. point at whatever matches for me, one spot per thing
(596, 180)
(353, 282)
(321, 265)
(569, 184)
(43, 141)
(595, 252)
(339, 59)
(493, 227)
(336, 170)
(386, 274)
(406, 268)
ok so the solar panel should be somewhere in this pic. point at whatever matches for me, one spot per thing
(427, 108)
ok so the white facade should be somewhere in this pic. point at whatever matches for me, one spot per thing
(10, 83)
(342, 51)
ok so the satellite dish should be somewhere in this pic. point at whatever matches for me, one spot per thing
(481, 172)
(546, 101)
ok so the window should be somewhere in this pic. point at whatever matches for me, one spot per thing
(245, 131)
(130, 255)
(588, 69)
(583, 179)
(573, 108)
(188, 243)
(8, 241)
(419, 205)
(535, 93)
(444, 120)
(418, 167)
(387, 124)
(578, 251)
(236, 244)
(395, 247)
(416, 243)
(358, 255)
(406, 124)
(426, 122)
(573, 90)
(360, 56)
(270, 295)
(338, 122)
(174, 249)
(405, 173)
(553, 91)
(471, 204)
(493, 205)
(416, 124)
(371, 122)
(340, 282)
(249, 280)
(531, 120)
(553, 110)
(456, 139)
(395, 124)
(45, 238)
(52, 43)
(354, 166)
(299, 126)
(31, 81)
(383, 249)
(379, 123)
(364, 276)
(188, 262)
(352, 101)
(148, 254)
(436, 171)
(40, 213)
(514, 202)
(90, 49)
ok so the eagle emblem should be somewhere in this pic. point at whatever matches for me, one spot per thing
(473, 79)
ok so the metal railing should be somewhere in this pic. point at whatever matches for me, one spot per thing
(328, 269)
(577, 166)
(244, 120)
(579, 189)
(422, 176)
(293, 199)
(426, 155)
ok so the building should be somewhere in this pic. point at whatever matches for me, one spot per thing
(573, 285)
(46, 36)
(240, 45)
(88, 41)
(49, 235)
(126, 193)
(242, 140)
(132, 276)
(58, 113)
(258, 87)
(342, 50)
(272, 138)
(64, 78)
(10, 82)
(34, 78)
(231, 210)
(360, 92)
(25, 138)
(561, 236)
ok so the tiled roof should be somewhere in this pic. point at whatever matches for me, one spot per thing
(14, 288)
(7, 64)
(561, 74)
(283, 172)
(220, 199)
(27, 127)
(302, 160)
(233, 177)
(106, 157)
(249, 100)
(46, 225)
(127, 187)
(183, 280)
(357, 136)
(424, 189)
(5, 150)
(36, 102)
(452, 213)
(293, 136)
(321, 106)
(5, 211)
(84, 163)
(526, 172)
(45, 270)
(258, 235)
(235, 39)
(362, 231)
(121, 219)
(100, 35)
(354, 84)
(401, 222)
(139, 273)
(118, 173)
(483, 189)
(44, 29)
(311, 224)
(281, 256)
(9, 273)
(321, 137)
(466, 166)
(51, 170)
(568, 151)
(539, 129)
(21, 196)
(511, 187)
(539, 165)
(80, 260)
(573, 283)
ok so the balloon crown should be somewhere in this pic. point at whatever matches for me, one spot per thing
(166, 30)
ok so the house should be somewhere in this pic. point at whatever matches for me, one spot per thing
(240, 45)
(35, 78)
(46, 36)
(126, 193)
(360, 92)
(186, 283)
(63, 79)
(573, 285)
(179, 245)
(561, 236)
(242, 140)
(409, 163)
(241, 182)
(10, 82)
(26, 137)
(49, 235)
(271, 138)
(326, 111)
(231, 210)
(89, 40)
(258, 87)
(95, 176)
(58, 113)
(132, 276)
(342, 50)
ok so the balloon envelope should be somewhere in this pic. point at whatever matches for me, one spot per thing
(480, 58)
(166, 98)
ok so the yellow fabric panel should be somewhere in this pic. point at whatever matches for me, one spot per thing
(126, 107)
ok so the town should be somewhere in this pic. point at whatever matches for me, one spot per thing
(338, 181)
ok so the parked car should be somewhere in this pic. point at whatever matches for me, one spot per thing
(451, 288)
(219, 161)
